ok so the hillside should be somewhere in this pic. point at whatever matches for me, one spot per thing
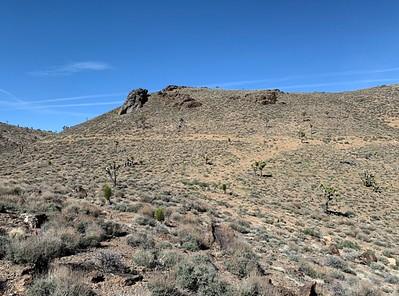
(14, 137)
(218, 192)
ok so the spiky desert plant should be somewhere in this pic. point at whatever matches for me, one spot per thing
(107, 192)
(112, 172)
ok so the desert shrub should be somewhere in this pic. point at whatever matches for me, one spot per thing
(110, 262)
(190, 243)
(3, 246)
(364, 289)
(243, 262)
(112, 229)
(170, 258)
(338, 263)
(254, 286)
(192, 239)
(163, 286)
(146, 258)
(241, 226)
(147, 211)
(348, 245)
(199, 275)
(39, 250)
(61, 282)
(107, 193)
(76, 210)
(392, 279)
(308, 269)
(142, 220)
(368, 180)
(159, 214)
(35, 250)
(140, 239)
(312, 232)
(9, 203)
(91, 234)
(131, 208)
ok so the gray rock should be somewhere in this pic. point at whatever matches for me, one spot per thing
(134, 101)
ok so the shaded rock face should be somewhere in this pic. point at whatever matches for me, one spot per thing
(265, 98)
(183, 101)
(134, 101)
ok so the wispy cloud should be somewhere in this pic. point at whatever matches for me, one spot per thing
(336, 83)
(76, 98)
(72, 68)
(70, 105)
(293, 77)
(48, 106)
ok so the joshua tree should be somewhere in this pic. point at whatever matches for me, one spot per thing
(207, 160)
(368, 180)
(259, 166)
(21, 147)
(329, 194)
(112, 171)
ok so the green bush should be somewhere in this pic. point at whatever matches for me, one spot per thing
(159, 214)
(107, 192)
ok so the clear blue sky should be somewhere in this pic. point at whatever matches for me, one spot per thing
(65, 61)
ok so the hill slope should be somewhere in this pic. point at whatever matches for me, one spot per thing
(190, 153)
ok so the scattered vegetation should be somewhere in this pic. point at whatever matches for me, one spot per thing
(159, 214)
(107, 192)
(368, 180)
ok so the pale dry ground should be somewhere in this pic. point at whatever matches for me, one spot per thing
(284, 221)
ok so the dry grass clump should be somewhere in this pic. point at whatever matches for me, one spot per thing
(192, 238)
(40, 249)
(59, 282)
(140, 239)
(243, 262)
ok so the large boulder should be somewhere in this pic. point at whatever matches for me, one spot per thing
(134, 101)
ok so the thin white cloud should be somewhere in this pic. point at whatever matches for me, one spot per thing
(77, 98)
(47, 107)
(293, 77)
(72, 68)
(75, 105)
(335, 83)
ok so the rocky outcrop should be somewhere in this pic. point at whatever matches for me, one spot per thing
(185, 101)
(134, 101)
(170, 88)
(265, 97)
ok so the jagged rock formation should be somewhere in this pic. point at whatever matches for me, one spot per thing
(135, 100)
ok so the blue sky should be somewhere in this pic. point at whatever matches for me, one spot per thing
(63, 62)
